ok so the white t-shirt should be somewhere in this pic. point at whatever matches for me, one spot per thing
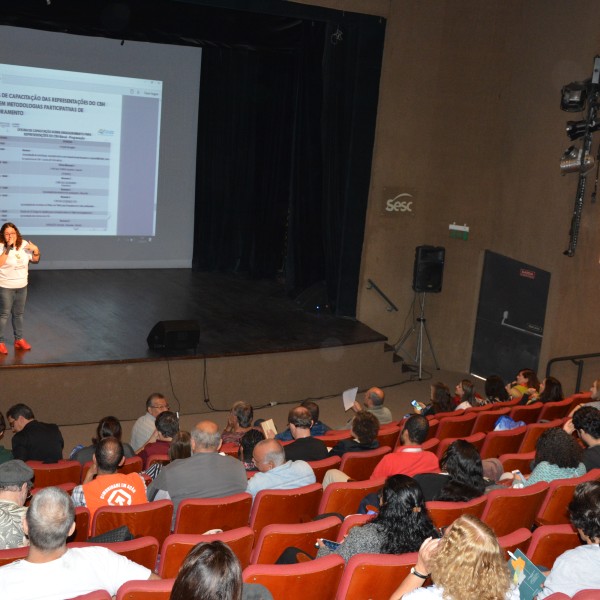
(437, 593)
(77, 572)
(13, 273)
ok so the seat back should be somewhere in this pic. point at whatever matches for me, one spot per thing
(320, 467)
(374, 576)
(150, 518)
(316, 579)
(548, 542)
(148, 589)
(445, 513)
(534, 431)
(142, 550)
(486, 420)
(476, 439)
(554, 509)
(555, 410)
(520, 461)
(352, 521)
(519, 538)
(360, 465)
(333, 436)
(163, 459)
(9, 555)
(502, 442)
(64, 471)
(527, 414)
(509, 509)
(456, 427)
(345, 498)
(178, 545)
(198, 515)
(96, 595)
(431, 445)
(275, 538)
(388, 435)
(299, 505)
(82, 524)
(433, 426)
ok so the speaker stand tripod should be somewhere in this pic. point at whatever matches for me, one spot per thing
(419, 327)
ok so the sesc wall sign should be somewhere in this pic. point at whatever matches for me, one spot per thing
(398, 202)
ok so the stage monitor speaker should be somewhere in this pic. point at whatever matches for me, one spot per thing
(429, 269)
(174, 335)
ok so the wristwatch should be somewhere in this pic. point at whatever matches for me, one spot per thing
(413, 571)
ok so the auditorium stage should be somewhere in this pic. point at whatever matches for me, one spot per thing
(104, 316)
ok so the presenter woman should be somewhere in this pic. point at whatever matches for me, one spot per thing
(15, 255)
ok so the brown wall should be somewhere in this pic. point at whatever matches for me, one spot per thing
(469, 122)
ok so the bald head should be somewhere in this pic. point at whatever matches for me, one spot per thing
(374, 397)
(268, 454)
(206, 437)
(109, 455)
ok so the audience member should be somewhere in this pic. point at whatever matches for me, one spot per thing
(550, 391)
(54, 572)
(466, 564)
(181, 447)
(107, 427)
(465, 393)
(247, 444)
(304, 446)
(211, 571)
(594, 399)
(525, 384)
(206, 474)
(557, 456)
(586, 422)
(317, 428)
(441, 401)
(5, 455)
(401, 525)
(495, 389)
(275, 472)
(577, 569)
(104, 485)
(143, 428)
(15, 483)
(238, 422)
(166, 426)
(365, 428)
(32, 439)
(373, 403)
(461, 478)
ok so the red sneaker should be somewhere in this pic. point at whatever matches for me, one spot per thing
(22, 345)
(3, 349)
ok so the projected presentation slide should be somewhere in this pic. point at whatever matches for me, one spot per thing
(78, 152)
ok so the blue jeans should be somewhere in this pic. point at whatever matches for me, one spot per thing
(12, 302)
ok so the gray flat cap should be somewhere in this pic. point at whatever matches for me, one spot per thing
(14, 472)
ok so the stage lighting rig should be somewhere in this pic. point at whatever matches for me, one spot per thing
(575, 96)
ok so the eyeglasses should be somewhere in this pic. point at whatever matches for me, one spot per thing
(165, 406)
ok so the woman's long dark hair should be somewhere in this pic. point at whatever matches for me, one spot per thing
(403, 519)
(441, 398)
(552, 390)
(462, 462)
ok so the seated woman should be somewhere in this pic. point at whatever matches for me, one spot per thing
(466, 564)
(495, 390)
(107, 427)
(557, 456)
(247, 443)
(550, 391)
(525, 384)
(401, 525)
(461, 478)
(238, 422)
(577, 569)
(364, 430)
(465, 393)
(441, 401)
(181, 447)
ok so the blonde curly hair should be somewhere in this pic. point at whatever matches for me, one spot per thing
(469, 563)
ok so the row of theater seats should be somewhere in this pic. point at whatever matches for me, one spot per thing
(372, 576)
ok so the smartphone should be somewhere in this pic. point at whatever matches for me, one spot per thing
(330, 544)
(415, 404)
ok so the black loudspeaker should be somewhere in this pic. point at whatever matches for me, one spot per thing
(429, 269)
(174, 335)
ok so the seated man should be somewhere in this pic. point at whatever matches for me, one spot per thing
(317, 428)
(373, 403)
(577, 569)
(586, 421)
(275, 473)
(109, 488)
(15, 482)
(143, 428)
(166, 427)
(33, 440)
(305, 447)
(53, 572)
(365, 428)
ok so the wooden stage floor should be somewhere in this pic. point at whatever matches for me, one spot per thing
(98, 316)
